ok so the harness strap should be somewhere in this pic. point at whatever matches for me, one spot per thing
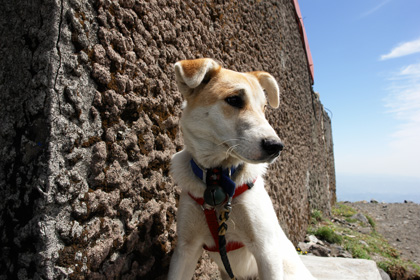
(224, 216)
(213, 223)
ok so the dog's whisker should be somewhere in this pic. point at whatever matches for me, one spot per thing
(231, 148)
(233, 139)
(226, 141)
(233, 223)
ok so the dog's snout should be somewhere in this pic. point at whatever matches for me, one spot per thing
(272, 146)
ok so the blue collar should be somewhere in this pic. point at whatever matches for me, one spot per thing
(226, 182)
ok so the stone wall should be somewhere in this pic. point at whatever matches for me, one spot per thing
(90, 109)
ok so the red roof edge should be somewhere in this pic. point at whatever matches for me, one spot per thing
(304, 39)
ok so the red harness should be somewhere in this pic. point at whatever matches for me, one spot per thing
(213, 223)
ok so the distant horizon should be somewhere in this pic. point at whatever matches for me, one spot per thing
(382, 188)
(381, 198)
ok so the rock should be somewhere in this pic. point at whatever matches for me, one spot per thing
(383, 274)
(360, 217)
(341, 221)
(345, 254)
(320, 243)
(311, 239)
(363, 243)
(341, 268)
(320, 251)
(373, 201)
(364, 230)
(338, 251)
(304, 247)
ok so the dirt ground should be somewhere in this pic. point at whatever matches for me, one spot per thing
(399, 223)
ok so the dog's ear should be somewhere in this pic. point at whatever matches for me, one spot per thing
(191, 73)
(269, 84)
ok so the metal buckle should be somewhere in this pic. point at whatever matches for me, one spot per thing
(214, 195)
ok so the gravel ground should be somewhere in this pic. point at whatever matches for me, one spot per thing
(399, 223)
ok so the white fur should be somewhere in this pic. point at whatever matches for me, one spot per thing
(214, 140)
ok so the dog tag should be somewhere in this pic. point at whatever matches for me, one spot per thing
(214, 195)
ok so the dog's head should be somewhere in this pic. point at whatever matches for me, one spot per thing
(224, 113)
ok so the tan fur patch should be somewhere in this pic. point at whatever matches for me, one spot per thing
(257, 73)
(227, 83)
(191, 67)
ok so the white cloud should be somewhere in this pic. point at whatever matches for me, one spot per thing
(374, 9)
(412, 70)
(403, 49)
(403, 103)
(404, 92)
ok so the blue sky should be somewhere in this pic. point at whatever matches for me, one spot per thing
(366, 56)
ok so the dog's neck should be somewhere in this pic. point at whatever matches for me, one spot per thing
(201, 172)
(181, 171)
(208, 155)
(207, 160)
(212, 159)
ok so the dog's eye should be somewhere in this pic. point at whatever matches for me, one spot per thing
(235, 101)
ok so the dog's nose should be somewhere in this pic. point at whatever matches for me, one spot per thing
(272, 146)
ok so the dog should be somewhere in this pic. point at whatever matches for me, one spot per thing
(224, 126)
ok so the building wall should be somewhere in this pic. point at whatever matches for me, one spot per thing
(90, 111)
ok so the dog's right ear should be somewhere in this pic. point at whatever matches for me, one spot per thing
(192, 73)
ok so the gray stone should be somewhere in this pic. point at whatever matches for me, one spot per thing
(311, 239)
(364, 243)
(341, 268)
(364, 230)
(304, 247)
(384, 275)
(344, 254)
(338, 251)
(319, 250)
(360, 217)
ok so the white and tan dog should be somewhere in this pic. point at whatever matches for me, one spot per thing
(224, 125)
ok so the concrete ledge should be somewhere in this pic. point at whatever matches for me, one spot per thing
(341, 268)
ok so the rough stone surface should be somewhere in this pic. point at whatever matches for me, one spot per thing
(340, 268)
(90, 109)
(28, 64)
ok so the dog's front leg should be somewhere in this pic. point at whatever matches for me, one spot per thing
(263, 236)
(184, 260)
(270, 265)
(191, 223)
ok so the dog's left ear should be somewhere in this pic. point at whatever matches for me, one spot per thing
(269, 84)
(191, 73)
